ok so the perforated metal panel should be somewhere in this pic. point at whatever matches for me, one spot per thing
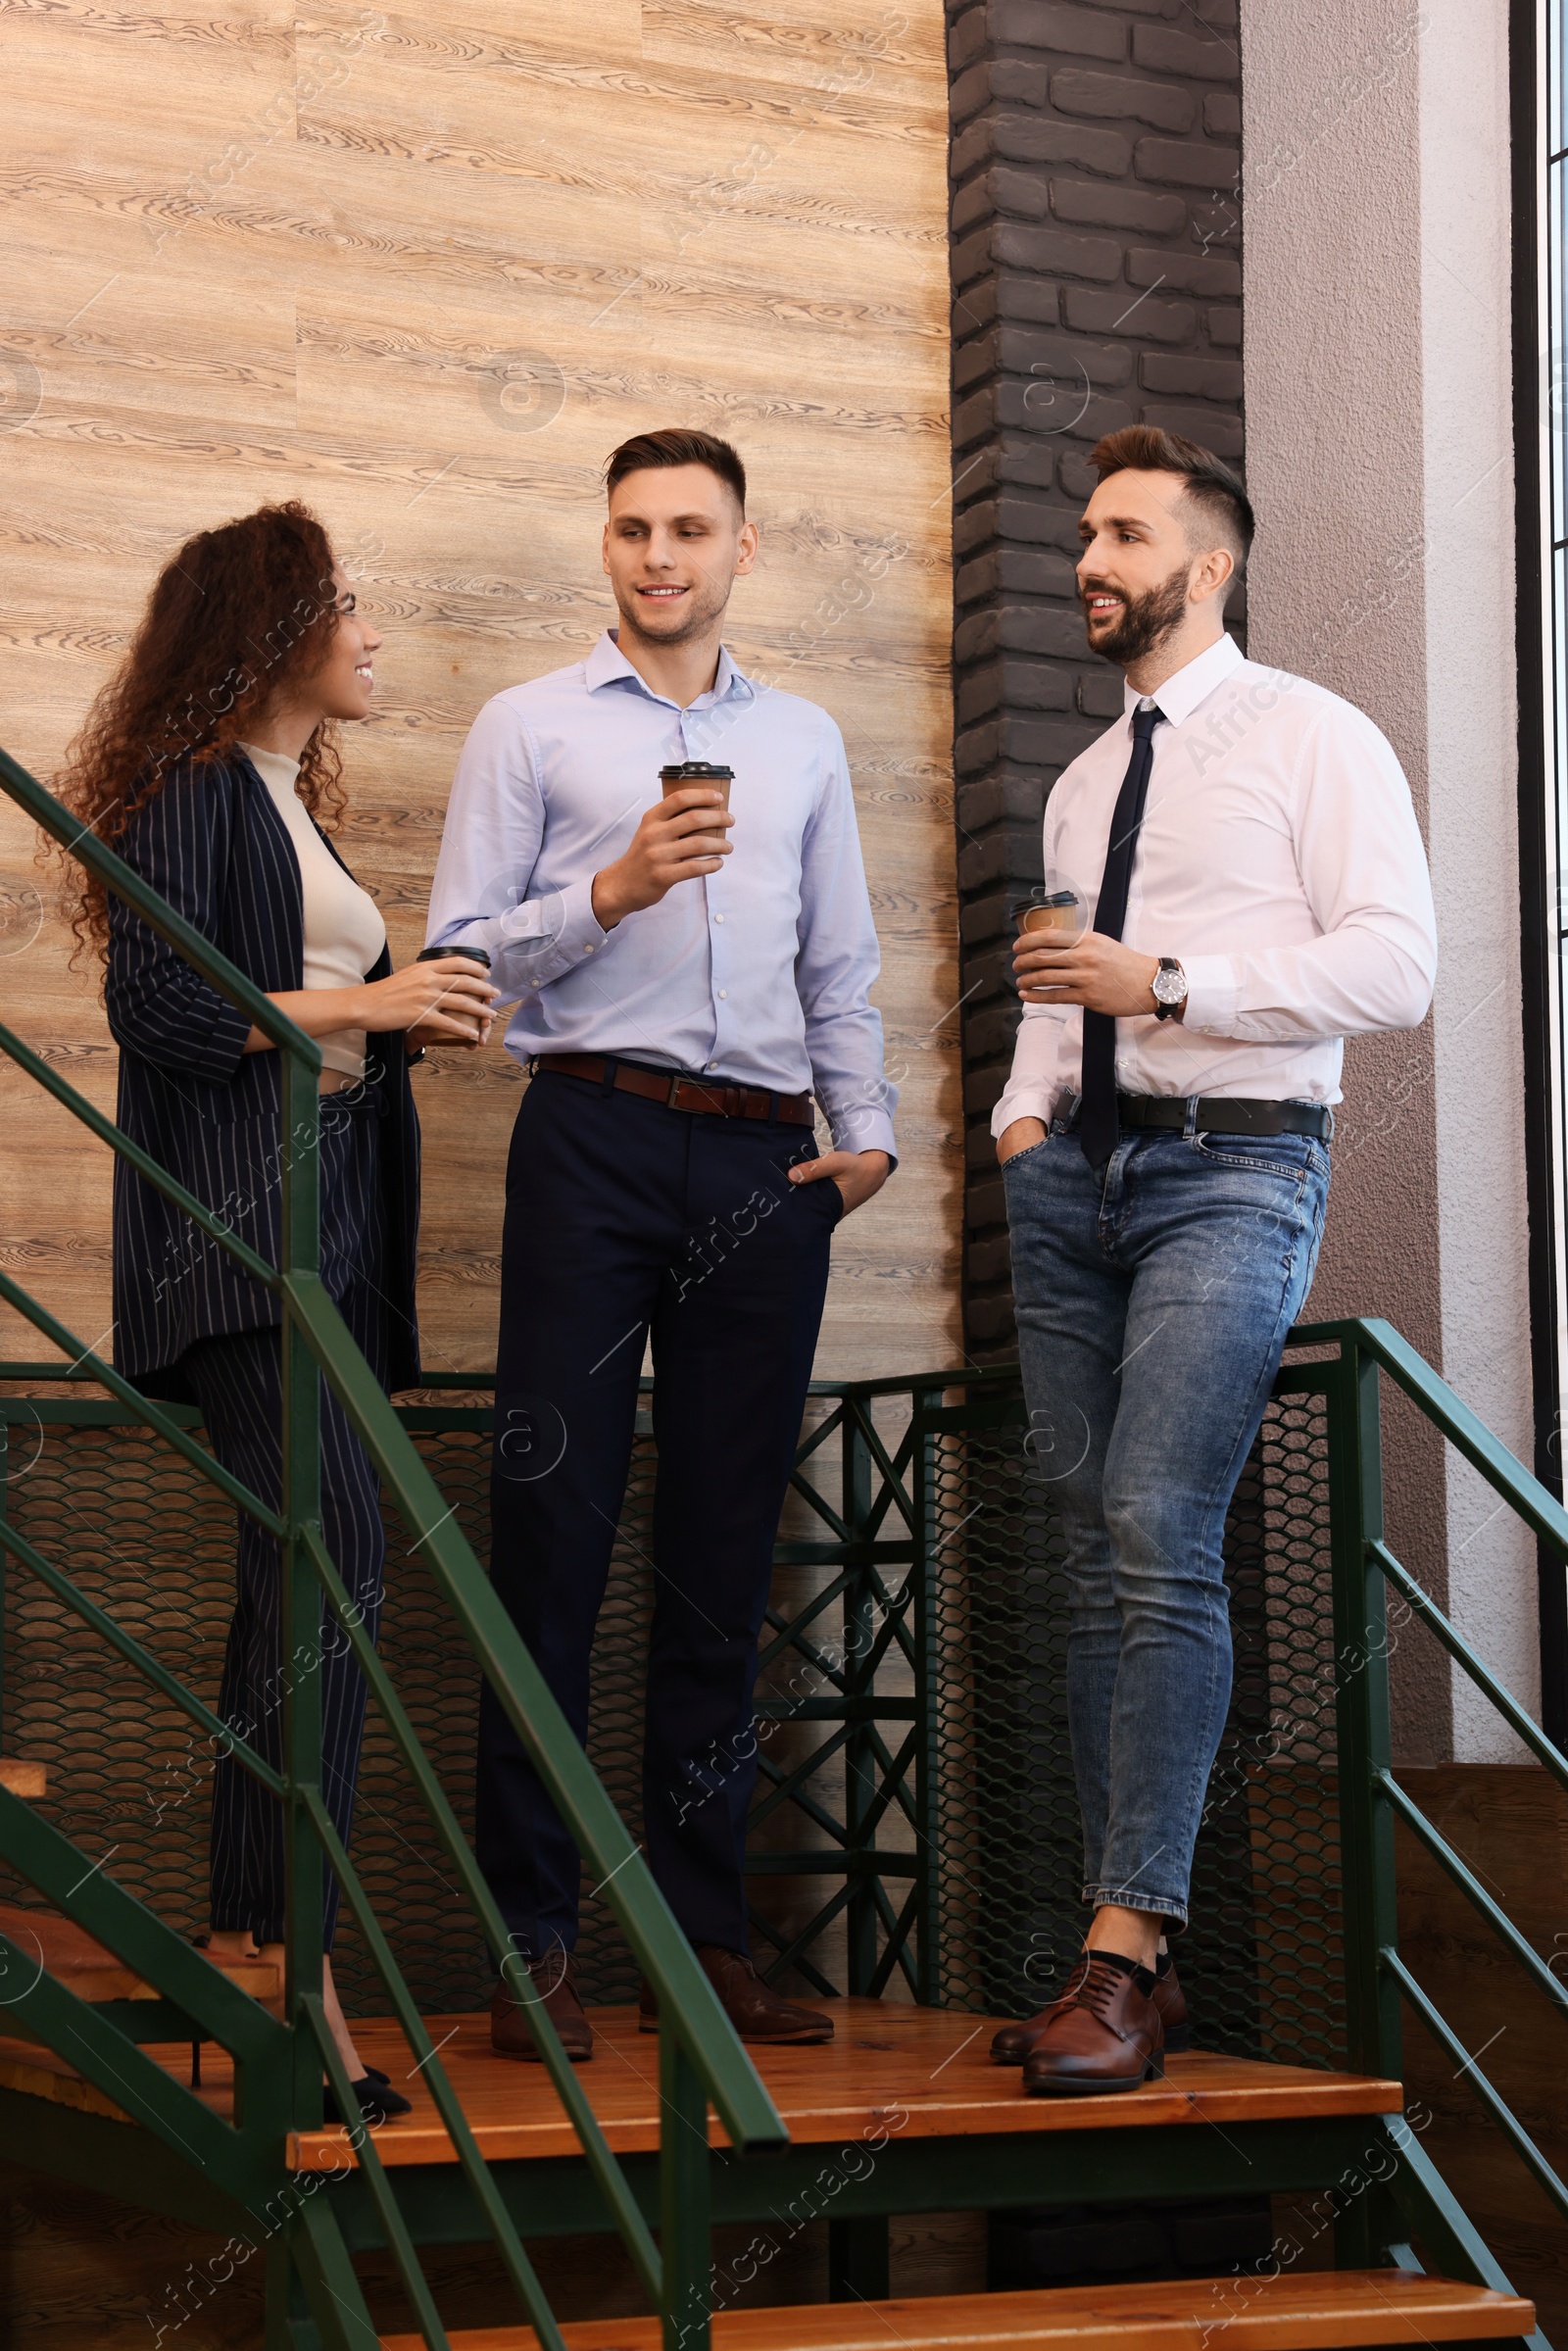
(963, 1784)
(433, 1933)
(1262, 1961)
(140, 1533)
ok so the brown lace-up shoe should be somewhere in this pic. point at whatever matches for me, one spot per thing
(1106, 2035)
(1014, 2043)
(754, 2008)
(556, 1996)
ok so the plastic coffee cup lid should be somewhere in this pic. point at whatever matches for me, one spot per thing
(438, 955)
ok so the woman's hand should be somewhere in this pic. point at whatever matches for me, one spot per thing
(438, 1003)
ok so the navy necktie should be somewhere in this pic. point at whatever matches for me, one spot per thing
(1097, 1122)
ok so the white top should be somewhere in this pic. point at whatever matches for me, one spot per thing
(344, 933)
(1279, 862)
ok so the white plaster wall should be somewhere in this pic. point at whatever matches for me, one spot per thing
(1378, 411)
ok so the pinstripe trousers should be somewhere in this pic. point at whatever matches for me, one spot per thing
(238, 1381)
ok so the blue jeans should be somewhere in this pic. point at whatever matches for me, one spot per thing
(1153, 1303)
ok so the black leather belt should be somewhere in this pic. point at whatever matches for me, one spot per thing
(1223, 1115)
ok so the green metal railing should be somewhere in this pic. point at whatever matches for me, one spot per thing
(280, 2066)
(1379, 1982)
(912, 1668)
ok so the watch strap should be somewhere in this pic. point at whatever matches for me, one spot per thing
(1163, 1009)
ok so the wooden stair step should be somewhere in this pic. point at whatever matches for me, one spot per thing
(1322, 2311)
(915, 2072)
(66, 1952)
(912, 2072)
(29, 1780)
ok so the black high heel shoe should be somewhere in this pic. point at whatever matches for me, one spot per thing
(379, 2101)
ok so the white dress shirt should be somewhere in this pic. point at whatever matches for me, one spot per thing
(759, 973)
(1279, 862)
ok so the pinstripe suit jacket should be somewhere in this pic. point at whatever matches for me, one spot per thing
(213, 844)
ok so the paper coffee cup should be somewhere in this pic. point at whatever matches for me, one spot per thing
(696, 771)
(1061, 914)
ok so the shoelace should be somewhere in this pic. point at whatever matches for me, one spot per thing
(1093, 1987)
(1069, 1990)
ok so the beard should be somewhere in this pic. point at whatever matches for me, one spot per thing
(702, 606)
(1146, 620)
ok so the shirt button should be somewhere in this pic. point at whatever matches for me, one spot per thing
(586, 949)
(723, 996)
(718, 917)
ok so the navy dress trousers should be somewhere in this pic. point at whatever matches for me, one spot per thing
(626, 1220)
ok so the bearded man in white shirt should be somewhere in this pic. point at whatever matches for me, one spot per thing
(1248, 856)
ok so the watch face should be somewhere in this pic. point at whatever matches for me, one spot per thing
(1168, 985)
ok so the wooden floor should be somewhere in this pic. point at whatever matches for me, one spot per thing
(915, 2072)
(53, 1944)
(1323, 2312)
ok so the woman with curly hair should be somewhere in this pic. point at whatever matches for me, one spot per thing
(210, 763)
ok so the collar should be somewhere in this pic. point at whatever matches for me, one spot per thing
(1180, 696)
(607, 665)
(275, 767)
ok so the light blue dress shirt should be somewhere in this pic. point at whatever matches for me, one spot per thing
(760, 972)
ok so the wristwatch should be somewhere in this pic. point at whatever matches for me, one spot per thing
(1168, 988)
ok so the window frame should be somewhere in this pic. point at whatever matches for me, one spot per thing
(1539, 49)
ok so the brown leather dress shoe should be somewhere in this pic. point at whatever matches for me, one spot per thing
(1106, 2035)
(1014, 2043)
(754, 2008)
(556, 1996)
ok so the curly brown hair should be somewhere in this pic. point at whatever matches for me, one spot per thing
(237, 617)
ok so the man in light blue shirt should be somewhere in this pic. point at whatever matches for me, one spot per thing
(686, 977)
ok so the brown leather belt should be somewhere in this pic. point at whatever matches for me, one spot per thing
(723, 1099)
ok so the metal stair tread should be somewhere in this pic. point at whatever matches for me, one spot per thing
(910, 2072)
(71, 1955)
(1319, 2311)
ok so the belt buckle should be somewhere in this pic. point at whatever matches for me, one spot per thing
(677, 1079)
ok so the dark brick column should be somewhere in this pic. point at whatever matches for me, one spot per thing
(1096, 282)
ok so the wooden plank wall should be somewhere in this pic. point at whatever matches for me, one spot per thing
(425, 271)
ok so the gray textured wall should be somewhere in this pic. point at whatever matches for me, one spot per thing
(1379, 413)
(1098, 278)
